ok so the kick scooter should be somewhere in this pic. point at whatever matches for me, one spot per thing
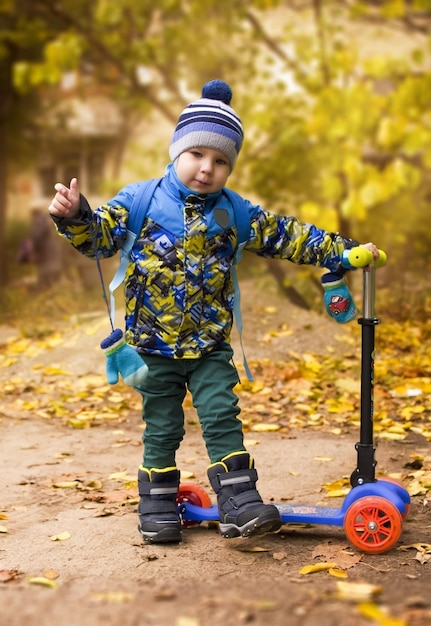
(373, 511)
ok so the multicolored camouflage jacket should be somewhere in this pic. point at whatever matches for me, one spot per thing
(178, 286)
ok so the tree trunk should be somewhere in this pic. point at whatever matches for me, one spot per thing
(6, 90)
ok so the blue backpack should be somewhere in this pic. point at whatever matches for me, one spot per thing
(136, 219)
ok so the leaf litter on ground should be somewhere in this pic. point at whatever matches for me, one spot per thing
(305, 391)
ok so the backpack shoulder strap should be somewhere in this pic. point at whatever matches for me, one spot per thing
(242, 222)
(140, 204)
(137, 213)
(242, 218)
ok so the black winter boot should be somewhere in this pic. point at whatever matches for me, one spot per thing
(241, 510)
(158, 518)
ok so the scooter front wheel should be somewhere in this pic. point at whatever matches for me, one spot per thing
(195, 494)
(373, 524)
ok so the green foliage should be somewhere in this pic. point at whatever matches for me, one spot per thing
(60, 55)
(332, 135)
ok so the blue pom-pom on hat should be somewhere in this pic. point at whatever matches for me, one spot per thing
(217, 90)
(209, 122)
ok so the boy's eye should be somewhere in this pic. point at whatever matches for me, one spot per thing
(221, 162)
(196, 153)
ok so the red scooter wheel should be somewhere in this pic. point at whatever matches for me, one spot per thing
(195, 494)
(373, 524)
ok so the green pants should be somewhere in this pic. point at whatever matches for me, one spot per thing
(210, 381)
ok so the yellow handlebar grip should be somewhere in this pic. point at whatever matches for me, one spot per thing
(360, 257)
(383, 259)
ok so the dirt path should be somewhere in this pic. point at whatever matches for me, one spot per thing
(68, 502)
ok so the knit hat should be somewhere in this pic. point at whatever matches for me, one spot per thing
(209, 123)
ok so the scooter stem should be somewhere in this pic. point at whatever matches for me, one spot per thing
(369, 291)
(365, 470)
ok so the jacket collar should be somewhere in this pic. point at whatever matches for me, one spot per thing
(176, 189)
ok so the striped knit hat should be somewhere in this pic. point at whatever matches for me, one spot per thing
(209, 123)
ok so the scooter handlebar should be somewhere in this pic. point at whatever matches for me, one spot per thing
(361, 257)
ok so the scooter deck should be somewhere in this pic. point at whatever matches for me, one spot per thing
(289, 513)
(310, 514)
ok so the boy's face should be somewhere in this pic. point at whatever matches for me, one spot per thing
(203, 170)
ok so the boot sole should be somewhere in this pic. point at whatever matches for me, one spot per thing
(251, 529)
(164, 535)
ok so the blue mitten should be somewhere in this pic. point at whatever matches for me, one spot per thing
(121, 358)
(337, 298)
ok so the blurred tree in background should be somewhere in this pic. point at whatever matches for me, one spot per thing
(335, 134)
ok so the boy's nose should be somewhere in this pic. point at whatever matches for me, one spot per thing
(206, 165)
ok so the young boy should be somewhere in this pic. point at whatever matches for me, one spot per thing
(179, 305)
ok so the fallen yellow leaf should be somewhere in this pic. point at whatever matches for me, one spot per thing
(374, 612)
(54, 370)
(338, 493)
(337, 572)
(93, 485)
(118, 597)
(251, 442)
(76, 423)
(358, 592)
(318, 567)
(350, 385)
(185, 475)
(338, 488)
(61, 537)
(116, 398)
(41, 580)
(265, 428)
(392, 436)
(416, 488)
(67, 484)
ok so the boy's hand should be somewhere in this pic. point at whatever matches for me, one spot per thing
(66, 201)
(372, 248)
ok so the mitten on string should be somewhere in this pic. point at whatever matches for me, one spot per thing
(121, 358)
(337, 298)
